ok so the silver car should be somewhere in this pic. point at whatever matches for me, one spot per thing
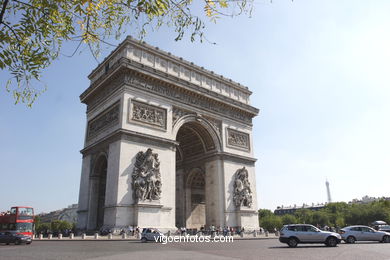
(352, 234)
(151, 234)
(294, 234)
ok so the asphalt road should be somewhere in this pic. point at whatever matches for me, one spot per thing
(239, 249)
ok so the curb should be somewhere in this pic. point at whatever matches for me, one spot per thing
(136, 240)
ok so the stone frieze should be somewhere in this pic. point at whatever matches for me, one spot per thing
(108, 118)
(148, 114)
(237, 139)
(187, 97)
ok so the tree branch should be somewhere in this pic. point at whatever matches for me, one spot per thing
(12, 30)
(5, 3)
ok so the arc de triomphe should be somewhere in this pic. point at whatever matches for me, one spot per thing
(168, 144)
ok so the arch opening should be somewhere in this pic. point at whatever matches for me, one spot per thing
(100, 172)
(195, 143)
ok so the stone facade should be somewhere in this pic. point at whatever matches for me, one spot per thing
(168, 144)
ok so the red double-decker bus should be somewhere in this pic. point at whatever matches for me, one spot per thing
(19, 219)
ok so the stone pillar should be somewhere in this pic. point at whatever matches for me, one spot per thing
(215, 193)
(114, 184)
(180, 194)
(82, 213)
(93, 202)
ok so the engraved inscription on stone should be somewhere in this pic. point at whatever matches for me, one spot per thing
(242, 195)
(108, 118)
(146, 176)
(238, 139)
(149, 114)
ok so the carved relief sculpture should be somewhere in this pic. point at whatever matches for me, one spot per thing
(105, 120)
(238, 139)
(186, 97)
(242, 195)
(217, 124)
(149, 114)
(177, 113)
(146, 176)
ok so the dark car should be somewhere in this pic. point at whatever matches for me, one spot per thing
(14, 238)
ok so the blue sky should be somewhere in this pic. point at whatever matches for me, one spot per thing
(319, 72)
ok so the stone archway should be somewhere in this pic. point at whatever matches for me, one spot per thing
(197, 143)
(98, 182)
(196, 125)
(195, 193)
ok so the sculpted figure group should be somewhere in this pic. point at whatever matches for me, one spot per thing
(242, 191)
(146, 176)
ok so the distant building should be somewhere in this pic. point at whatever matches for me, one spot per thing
(282, 210)
(367, 199)
(68, 214)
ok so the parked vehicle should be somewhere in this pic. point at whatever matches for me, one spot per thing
(15, 238)
(295, 234)
(385, 228)
(151, 234)
(352, 234)
(377, 225)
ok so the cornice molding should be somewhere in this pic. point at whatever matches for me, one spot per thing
(131, 46)
(124, 134)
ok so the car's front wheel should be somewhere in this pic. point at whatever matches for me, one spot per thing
(350, 240)
(144, 240)
(17, 242)
(292, 242)
(331, 241)
(386, 239)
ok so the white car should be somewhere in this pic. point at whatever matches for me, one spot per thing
(294, 234)
(352, 234)
(151, 234)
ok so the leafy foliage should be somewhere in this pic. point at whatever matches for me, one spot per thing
(54, 226)
(32, 32)
(338, 214)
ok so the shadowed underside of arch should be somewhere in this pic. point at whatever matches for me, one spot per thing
(100, 172)
(193, 140)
